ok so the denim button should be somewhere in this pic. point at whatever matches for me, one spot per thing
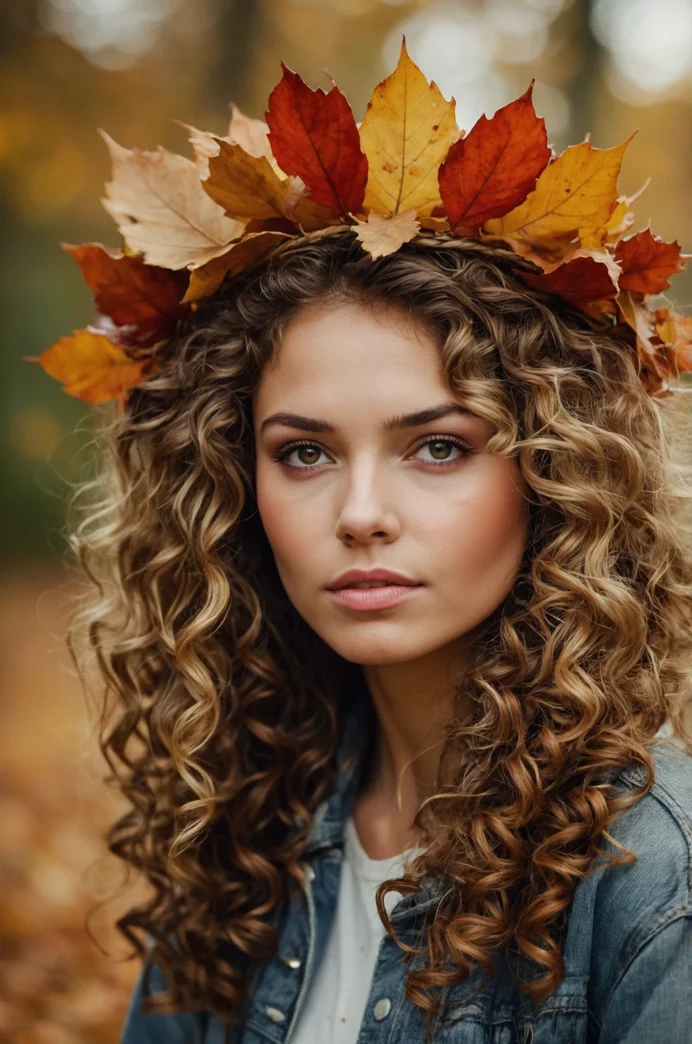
(274, 1014)
(291, 962)
(382, 1008)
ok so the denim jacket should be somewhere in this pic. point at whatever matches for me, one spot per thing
(627, 949)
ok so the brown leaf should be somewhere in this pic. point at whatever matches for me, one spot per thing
(383, 235)
(249, 133)
(92, 368)
(651, 351)
(161, 209)
(493, 169)
(244, 185)
(647, 262)
(242, 255)
(676, 330)
(143, 298)
(314, 136)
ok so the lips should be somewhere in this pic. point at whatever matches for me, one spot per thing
(353, 577)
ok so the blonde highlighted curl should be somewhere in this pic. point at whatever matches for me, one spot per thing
(222, 707)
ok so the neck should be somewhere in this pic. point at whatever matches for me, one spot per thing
(414, 702)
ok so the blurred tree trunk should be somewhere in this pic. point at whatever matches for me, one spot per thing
(586, 87)
(239, 30)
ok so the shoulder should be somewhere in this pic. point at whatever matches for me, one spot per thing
(647, 905)
(158, 1028)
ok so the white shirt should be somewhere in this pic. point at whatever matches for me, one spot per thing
(334, 1006)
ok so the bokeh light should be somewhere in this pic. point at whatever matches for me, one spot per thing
(650, 42)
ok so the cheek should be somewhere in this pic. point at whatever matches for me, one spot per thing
(289, 524)
(481, 535)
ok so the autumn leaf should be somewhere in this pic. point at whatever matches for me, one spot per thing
(92, 368)
(244, 185)
(546, 254)
(248, 188)
(647, 262)
(652, 353)
(314, 136)
(577, 191)
(143, 299)
(249, 133)
(242, 255)
(676, 330)
(383, 235)
(162, 210)
(405, 133)
(587, 276)
(493, 169)
(619, 222)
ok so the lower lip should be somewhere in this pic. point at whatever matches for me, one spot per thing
(374, 597)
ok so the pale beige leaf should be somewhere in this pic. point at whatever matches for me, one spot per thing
(162, 210)
(383, 235)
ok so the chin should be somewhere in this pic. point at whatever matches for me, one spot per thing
(373, 652)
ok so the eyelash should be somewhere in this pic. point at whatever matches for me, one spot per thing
(281, 455)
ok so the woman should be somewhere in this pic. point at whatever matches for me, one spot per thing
(427, 415)
(394, 586)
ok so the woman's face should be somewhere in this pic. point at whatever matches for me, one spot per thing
(368, 488)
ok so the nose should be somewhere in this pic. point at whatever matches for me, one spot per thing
(367, 510)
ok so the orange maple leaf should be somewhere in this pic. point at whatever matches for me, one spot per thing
(92, 368)
(647, 262)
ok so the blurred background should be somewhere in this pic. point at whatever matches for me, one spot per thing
(131, 67)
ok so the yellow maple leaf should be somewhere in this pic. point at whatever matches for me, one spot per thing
(405, 133)
(383, 235)
(576, 193)
(163, 213)
(93, 368)
(618, 223)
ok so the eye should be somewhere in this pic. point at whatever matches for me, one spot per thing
(438, 444)
(309, 449)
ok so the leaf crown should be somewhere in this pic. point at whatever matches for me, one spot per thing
(189, 225)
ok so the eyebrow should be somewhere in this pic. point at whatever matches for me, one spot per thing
(403, 420)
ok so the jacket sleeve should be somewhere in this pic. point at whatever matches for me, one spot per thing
(138, 1028)
(652, 1000)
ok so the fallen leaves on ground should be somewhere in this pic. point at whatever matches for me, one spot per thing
(56, 984)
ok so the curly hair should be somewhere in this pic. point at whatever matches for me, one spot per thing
(221, 709)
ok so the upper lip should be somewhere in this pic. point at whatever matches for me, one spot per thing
(363, 576)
